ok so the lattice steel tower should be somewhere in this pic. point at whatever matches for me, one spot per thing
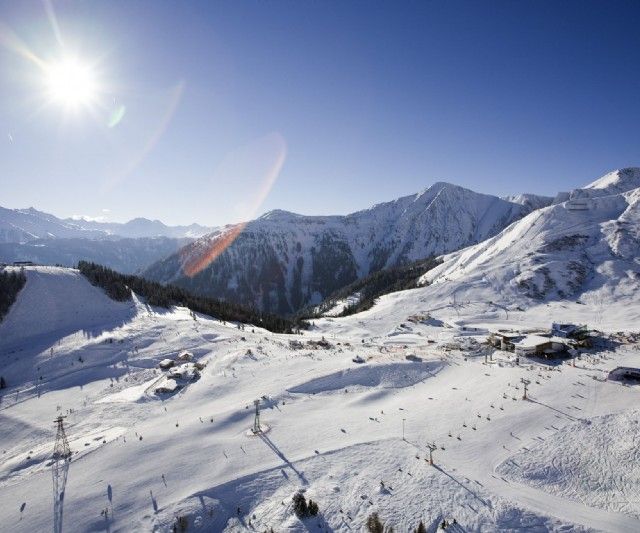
(256, 420)
(59, 470)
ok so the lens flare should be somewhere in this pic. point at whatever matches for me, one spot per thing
(269, 152)
(130, 165)
(199, 256)
(116, 116)
(10, 40)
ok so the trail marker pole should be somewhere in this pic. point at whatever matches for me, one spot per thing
(256, 420)
(525, 382)
(403, 429)
(432, 448)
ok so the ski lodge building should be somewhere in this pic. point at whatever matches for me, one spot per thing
(504, 340)
(527, 345)
(540, 346)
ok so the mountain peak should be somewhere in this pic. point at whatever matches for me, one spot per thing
(437, 187)
(620, 180)
(279, 215)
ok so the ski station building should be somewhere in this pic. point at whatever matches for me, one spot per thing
(532, 345)
(528, 345)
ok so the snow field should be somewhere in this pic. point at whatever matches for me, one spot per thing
(188, 454)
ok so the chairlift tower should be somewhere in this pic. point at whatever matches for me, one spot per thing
(59, 470)
(256, 420)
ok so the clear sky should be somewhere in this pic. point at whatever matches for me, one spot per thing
(213, 111)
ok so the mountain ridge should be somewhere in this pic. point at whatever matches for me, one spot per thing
(283, 261)
(25, 224)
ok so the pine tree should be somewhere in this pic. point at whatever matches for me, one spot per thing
(421, 528)
(313, 508)
(374, 525)
(300, 507)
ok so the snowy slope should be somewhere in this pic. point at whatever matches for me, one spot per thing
(58, 301)
(566, 251)
(618, 181)
(333, 428)
(531, 201)
(283, 261)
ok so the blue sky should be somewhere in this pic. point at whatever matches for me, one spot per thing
(353, 103)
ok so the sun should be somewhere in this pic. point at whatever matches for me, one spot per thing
(71, 83)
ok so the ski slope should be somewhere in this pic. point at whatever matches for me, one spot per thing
(333, 428)
(56, 301)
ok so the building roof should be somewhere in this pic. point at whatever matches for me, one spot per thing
(531, 341)
(507, 334)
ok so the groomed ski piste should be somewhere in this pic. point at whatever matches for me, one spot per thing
(562, 460)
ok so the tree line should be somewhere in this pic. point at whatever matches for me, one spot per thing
(371, 287)
(119, 286)
(10, 284)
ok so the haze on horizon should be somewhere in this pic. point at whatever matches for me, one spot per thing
(215, 112)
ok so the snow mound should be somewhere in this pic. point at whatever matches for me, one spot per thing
(590, 463)
(385, 376)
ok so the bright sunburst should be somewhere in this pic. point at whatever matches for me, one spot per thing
(71, 83)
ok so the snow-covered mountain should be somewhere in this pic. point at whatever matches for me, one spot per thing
(22, 225)
(31, 235)
(143, 227)
(282, 261)
(585, 248)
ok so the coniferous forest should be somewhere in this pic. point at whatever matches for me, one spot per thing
(119, 286)
(373, 286)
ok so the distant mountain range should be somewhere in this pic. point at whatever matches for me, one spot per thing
(143, 227)
(31, 235)
(283, 262)
(24, 225)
